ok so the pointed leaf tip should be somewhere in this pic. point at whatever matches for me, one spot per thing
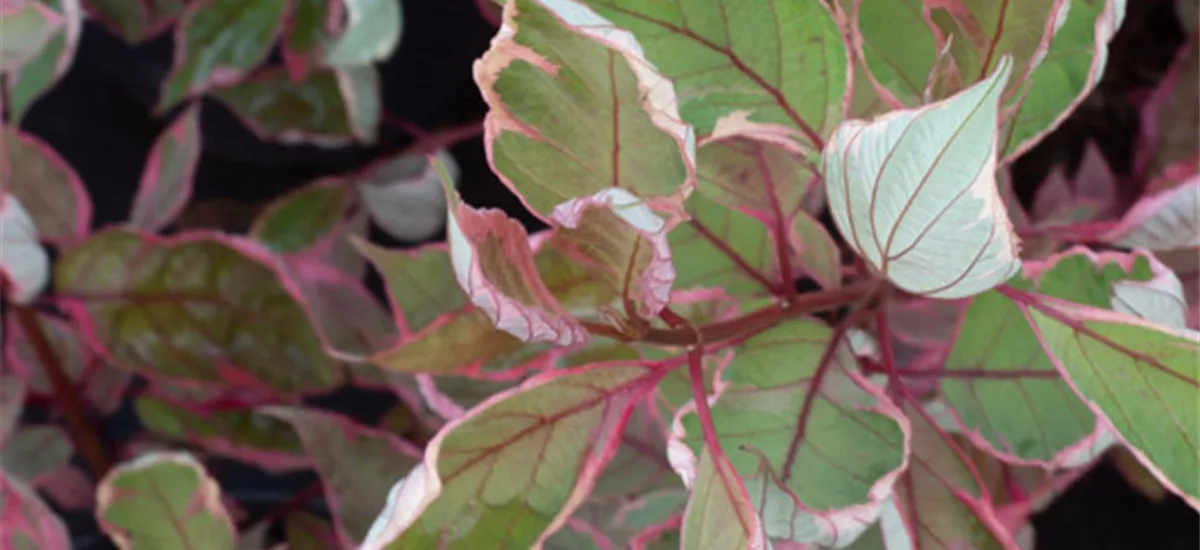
(914, 193)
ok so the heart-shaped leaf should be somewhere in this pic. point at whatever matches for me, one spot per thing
(914, 193)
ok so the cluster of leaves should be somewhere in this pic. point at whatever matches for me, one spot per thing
(644, 373)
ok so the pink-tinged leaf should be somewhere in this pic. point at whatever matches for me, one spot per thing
(404, 195)
(357, 465)
(41, 455)
(218, 41)
(47, 187)
(941, 501)
(895, 47)
(135, 21)
(1089, 196)
(24, 265)
(351, 320)
(1167, 221)
(818, 448)
(49, 63)
(517, 465)
(555, 61)
(815, 251)
(464, 341)
(201, 309)
(29, 26)
(371, 33)
(1137, 476)
(166, 501)
(914, 193)
(494, 264)
(25, 521)
(1140, 377)
(310, 23)
(242, 435)
(1005, 389)
(1168, 134)
(166, 184)
(101, 385)
(277, 107)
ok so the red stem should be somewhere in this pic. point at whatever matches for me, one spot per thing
(89, 443)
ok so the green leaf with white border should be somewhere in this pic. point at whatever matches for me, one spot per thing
(746, 64)
(817, 446)
(27, 522)
(555, 68)
(1002, 385)
(1139, 376)
(218, 41)
(357, 465)
(512, 470)
(163, 501)
(914, 193)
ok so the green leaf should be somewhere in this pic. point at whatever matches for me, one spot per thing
(897, 45)
(299, 220)
(914, 193)
(210, 309)
(514, 468)
(551, 78)
(28, 523)
(42, 59)
(419, 282)
(940, 500)
(313, 110)
(1070, 70)
(778, 63)
(722, 248)
(1141, 377)
(813, 458)
(217, 42)
(308, 32)
(720, 515)
(1004, 387)
(305, 531)
(239, 434)
(372, 32)
(163, 501)
(357, 465)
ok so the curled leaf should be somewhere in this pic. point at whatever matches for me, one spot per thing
(914, 193)
(372, 31)
(1169, 220)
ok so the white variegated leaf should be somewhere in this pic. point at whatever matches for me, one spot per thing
(914, 193)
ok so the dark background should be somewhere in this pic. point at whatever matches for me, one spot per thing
(99, 118)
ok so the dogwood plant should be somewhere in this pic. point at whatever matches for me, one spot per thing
(688, 356)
